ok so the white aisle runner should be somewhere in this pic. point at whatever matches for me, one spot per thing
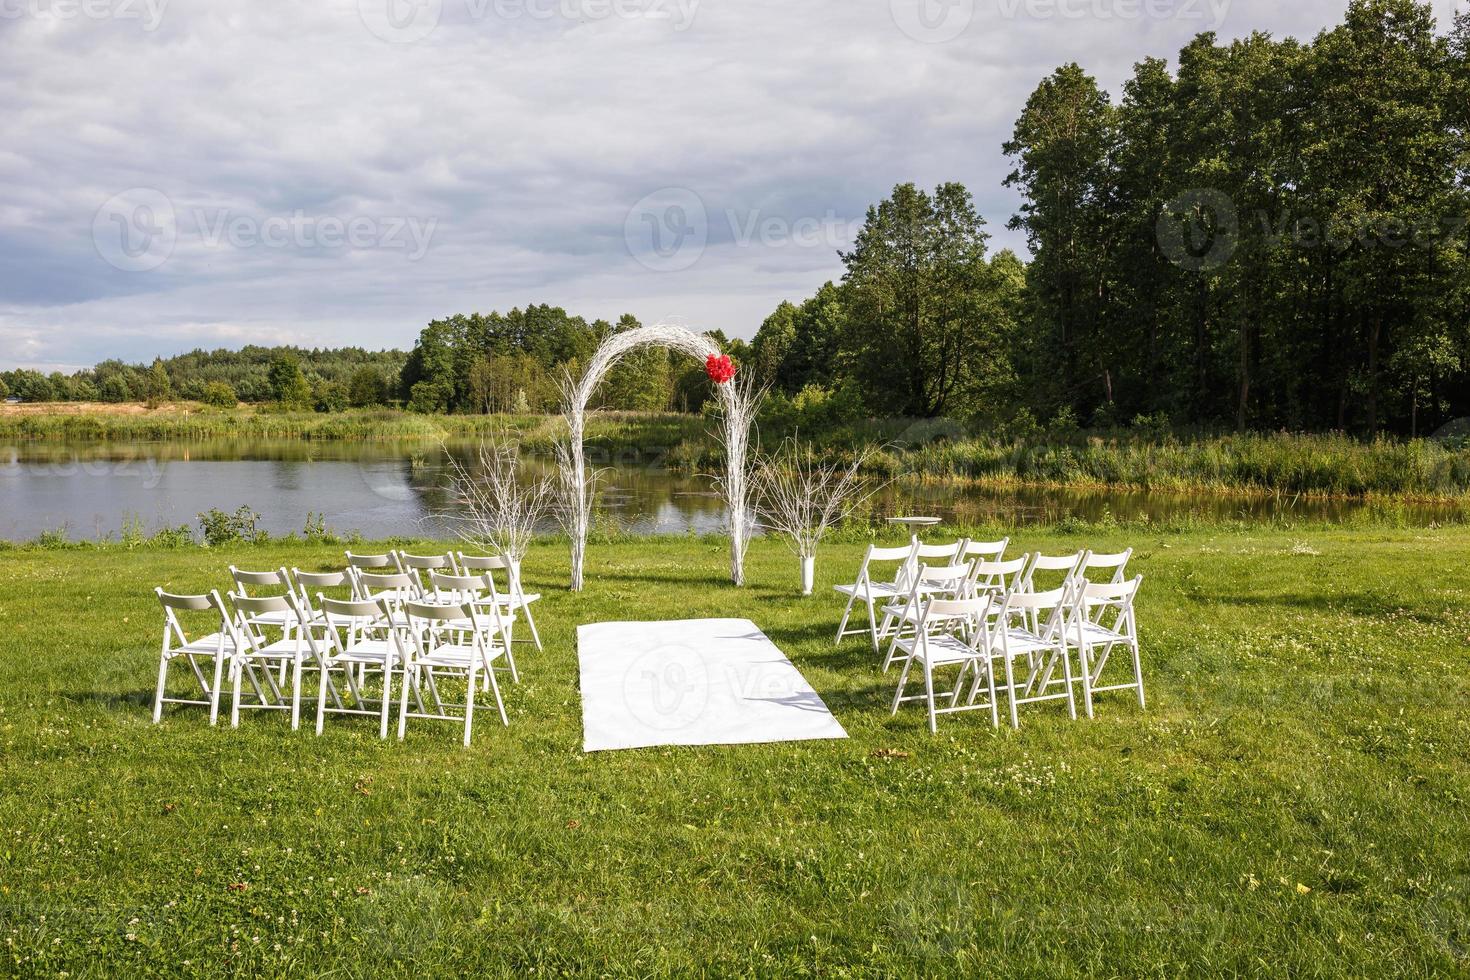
(693, 682)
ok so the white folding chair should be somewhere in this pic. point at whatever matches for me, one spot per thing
(478, 591)
(936, 582)
(437, 649)
(872, 592)
(948, 636)
(416, 565)
(1034, 625)
(358, 641)
(515, 597)
(277, 580)
(1105, 619)
(218, 647)
(289, 653)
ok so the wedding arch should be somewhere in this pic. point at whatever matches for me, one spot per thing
(737, 402)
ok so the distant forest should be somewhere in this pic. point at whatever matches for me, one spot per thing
(1272, 234)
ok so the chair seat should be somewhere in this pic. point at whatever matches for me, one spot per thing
(1024, 641)
(455, 655)
(1094, 634)
(942, 649)
(368, 652)
(883, 589)
(282, 617)
(206, 645)
(274, 651)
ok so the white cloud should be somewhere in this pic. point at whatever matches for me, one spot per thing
(521, 131)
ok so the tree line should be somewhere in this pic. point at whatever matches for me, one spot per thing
(1271, 234)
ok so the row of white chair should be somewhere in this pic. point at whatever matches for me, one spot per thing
(391, 624)
(1009, 618)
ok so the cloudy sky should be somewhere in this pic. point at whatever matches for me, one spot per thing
(186, 173)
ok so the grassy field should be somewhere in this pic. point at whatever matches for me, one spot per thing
(1292, 802)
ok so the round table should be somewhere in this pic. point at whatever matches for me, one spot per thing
(915, 524)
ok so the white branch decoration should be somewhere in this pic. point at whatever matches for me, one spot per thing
(498, 512)
(802, 498)
(738, 401)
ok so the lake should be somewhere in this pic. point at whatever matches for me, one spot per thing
(388, 490)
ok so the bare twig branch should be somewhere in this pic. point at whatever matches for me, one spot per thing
(498, 512)
(802, 498)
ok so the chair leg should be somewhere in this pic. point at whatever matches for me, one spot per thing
(990, 683)
(903, 679)
(1083, 659)
(321, 698)
(1011, 691)
(403, 698)
(842, 626)
(499, 702)
(1138, 674)
(214, 692)
(929, 697)
(235, 702)
(296, 694)
(531, 622)
(162, 683)
(1066, 656)
(469, 706)
(387, 699)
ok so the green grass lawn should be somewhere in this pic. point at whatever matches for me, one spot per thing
(1293, 801)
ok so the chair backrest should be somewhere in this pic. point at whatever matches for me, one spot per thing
(903, 555)
(276, 578)
(1118, 563)
(398, 585)
(947, 552)
(370, 561)
(489, 565)
(1047, 613)
(962, 617)
(998, 576)
(260, 605)
(1068, 565)
(439, 612)
(320, 580)
(173, 629)
(187, 603)
(482, 563)
(990, 550)
(424, 563)
(361, 609)
(458, 588)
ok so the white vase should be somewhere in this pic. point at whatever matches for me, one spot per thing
(808, 573)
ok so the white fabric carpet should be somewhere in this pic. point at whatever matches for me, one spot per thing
(693, 682)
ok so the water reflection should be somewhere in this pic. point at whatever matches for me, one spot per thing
(387, 489)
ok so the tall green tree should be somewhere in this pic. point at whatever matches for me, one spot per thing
(914, 284)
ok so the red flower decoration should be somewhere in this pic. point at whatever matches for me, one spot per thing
(719, 367)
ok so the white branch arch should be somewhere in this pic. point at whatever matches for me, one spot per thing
(738, 401)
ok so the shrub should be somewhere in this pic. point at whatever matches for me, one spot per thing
(221, 528)
(219, 394)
